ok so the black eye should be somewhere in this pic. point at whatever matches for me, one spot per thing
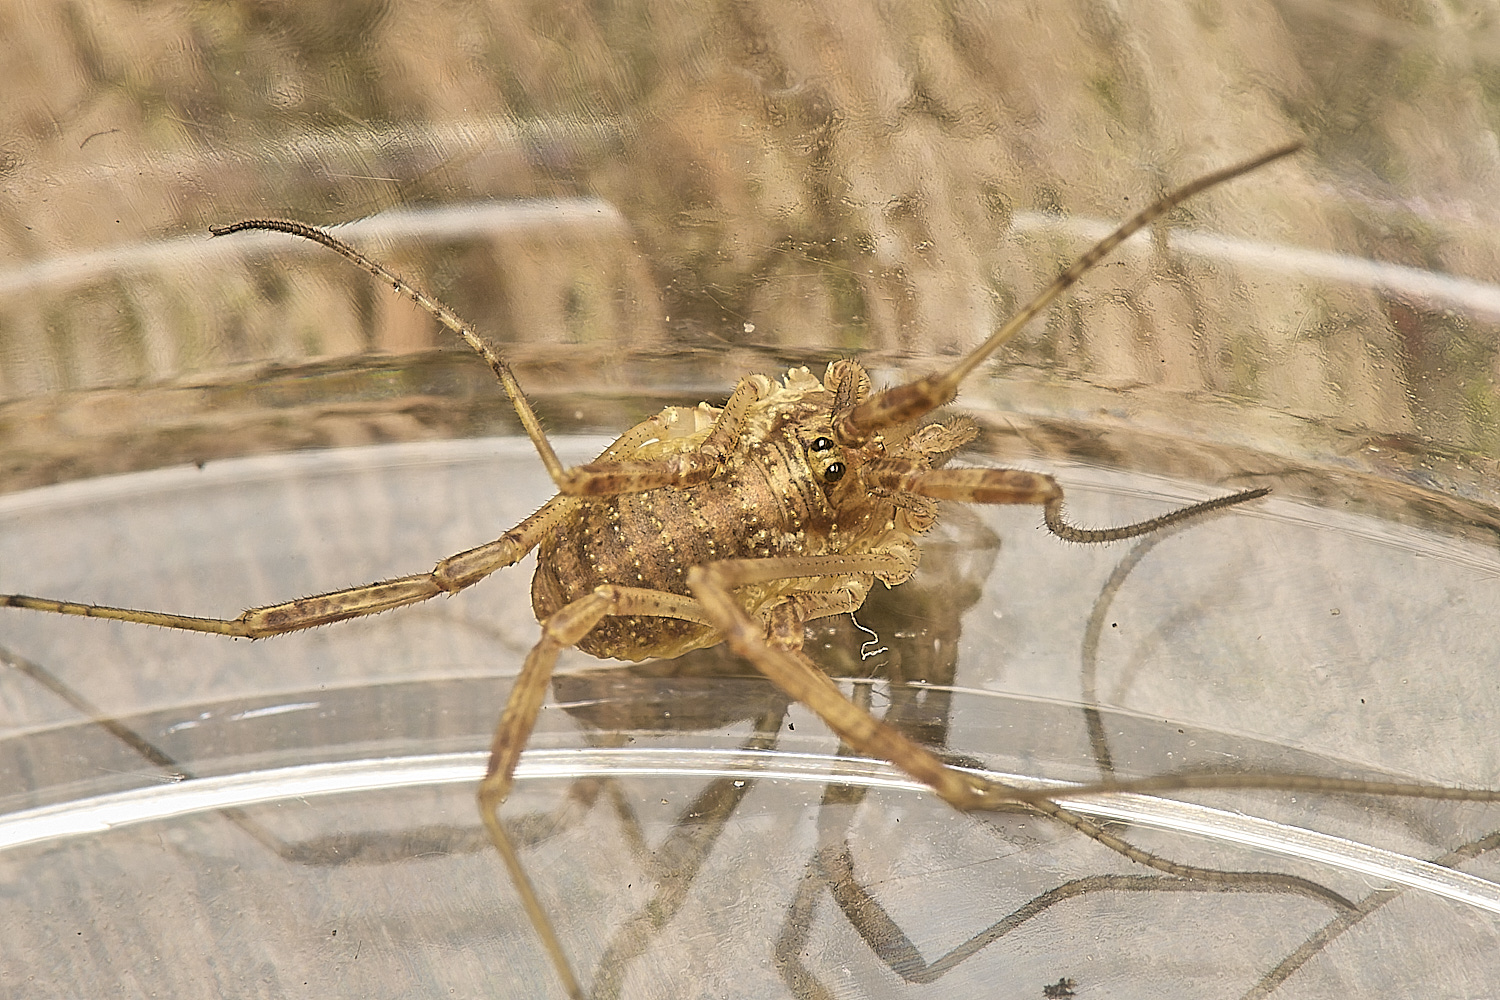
(834, 472)
(821, 444)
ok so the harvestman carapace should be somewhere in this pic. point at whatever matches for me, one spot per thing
(741, 524)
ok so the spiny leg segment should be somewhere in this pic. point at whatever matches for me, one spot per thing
(448, 577)
(608, 478)
(900, 405)
(795, 674)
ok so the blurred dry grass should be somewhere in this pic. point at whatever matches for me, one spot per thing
(808, 177)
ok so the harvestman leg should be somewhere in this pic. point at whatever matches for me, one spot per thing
(605, 477)
(567, 627)
(449, 577)
(832, 869)
(790, 670)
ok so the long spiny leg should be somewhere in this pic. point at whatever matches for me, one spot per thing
(449, 577)
(789, 670)
(832, 869)
(606, 476)
(794, 673)
(595, 479)
(566, 627)
(1053, 515)
(900, 404)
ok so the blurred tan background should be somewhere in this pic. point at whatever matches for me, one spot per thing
(639, 202)
(651, 198)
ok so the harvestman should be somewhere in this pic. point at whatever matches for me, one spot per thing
(741, 524)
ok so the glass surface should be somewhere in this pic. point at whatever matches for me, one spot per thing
(639, 203)
(323, 782)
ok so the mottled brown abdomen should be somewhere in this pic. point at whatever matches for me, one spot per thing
(651, 540)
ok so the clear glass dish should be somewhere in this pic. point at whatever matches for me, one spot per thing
(299, 810)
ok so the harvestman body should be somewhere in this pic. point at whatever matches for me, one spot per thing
(740, 524)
